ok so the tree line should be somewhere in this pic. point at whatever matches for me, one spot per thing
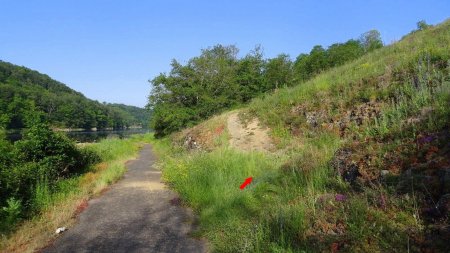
(25, 93)
(218, 79)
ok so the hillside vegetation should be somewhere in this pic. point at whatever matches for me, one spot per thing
(26, 94)
(141, 117)
(218, 79)
(361, 164)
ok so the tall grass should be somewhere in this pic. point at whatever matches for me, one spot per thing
(256, 218)
(420, 102)
(210, 182)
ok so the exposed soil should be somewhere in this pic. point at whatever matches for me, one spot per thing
(250, 136)
(137, 214)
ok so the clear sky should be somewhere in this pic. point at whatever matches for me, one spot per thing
(109, 49)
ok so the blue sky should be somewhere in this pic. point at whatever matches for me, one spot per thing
(109, 49)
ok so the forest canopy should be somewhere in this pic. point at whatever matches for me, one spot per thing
(26, 94)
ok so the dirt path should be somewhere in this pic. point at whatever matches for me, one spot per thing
(250, 137)
(138, 214)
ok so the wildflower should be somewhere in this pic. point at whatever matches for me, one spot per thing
(340, 197)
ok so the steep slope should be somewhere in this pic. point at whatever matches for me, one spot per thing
(25, 93)
(362, 161)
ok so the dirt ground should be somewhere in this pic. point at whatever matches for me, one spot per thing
(249, 136)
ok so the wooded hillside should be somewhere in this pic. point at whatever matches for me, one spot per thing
(26, 94)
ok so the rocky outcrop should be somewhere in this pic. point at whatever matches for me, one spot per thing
(358, 115)
(190, 143)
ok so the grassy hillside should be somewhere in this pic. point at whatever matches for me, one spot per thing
(26, 94)
(362, 160)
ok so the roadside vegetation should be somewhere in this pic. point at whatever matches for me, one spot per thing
(46, 180)
(361, 165)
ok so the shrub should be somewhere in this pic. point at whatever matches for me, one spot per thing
(11, 212)
(31, 168)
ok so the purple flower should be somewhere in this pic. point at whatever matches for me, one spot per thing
(340, 197)
(426, 139)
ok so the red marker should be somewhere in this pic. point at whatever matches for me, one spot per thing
(246, 182)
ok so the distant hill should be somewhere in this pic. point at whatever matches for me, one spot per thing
(25, 94)
(141, 116)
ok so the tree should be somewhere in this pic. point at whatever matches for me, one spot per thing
(302, 67)
(202, 87)
(278, 72)
(422, 25)
(371, 40)
(249, 74)
(317, 60)
(340, 53)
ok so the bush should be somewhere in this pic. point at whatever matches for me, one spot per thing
(40, 141)
(31, 168)
(87, 157)
(11, 213)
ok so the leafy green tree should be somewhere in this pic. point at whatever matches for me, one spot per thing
(249, 74)
(302, 67)
(41, 157)
(340, 53)
(278, 72)
(318, 60)
(422, 25)
(202, 87)
(371, 40)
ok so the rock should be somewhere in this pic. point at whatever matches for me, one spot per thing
(351, 173)
(384, 173)
(190, 143)
(315, 119)
(60, 230)
(363, 112)
(343, 165)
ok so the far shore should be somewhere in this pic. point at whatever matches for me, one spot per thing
(93, 129)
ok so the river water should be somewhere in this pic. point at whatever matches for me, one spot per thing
(94, 136)
(91, 136)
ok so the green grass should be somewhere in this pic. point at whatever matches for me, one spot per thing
(209, 182)
(292, 204)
